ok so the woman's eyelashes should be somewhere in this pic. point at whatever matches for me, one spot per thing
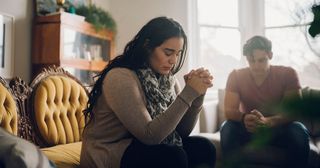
(169, 52)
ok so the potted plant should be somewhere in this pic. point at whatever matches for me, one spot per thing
(97, 16)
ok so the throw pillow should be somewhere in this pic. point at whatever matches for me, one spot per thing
(16, 152)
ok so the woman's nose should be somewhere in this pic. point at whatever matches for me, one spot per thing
(173, 59)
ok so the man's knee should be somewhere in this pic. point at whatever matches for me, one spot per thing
(297, 138)
(231, 131)
(297, 129)
(229, 127)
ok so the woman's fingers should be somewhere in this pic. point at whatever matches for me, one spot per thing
(189, 75)
(204, 74)
(207, 81)
(200, 71)
(197, 83)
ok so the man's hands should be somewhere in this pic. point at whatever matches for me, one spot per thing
(199, 79)
(254, 120)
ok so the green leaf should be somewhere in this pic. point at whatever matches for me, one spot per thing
(98, 17)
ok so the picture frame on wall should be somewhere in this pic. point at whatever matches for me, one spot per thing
(47, 7)
(44, 7)
(6, 45)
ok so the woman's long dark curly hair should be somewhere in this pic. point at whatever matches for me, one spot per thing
(136, 53)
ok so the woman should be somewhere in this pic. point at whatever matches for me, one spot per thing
(137, 115)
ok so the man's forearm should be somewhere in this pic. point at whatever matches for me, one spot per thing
(277, 120)
(233, 115)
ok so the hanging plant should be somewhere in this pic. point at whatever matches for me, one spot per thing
(98, 17)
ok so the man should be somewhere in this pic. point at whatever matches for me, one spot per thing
(252, 95)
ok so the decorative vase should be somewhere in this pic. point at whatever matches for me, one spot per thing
(60, 5)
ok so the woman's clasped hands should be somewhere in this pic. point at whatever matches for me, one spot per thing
(199, 79)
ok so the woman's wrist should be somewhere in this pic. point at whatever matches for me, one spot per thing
(189, 94)
(198, 101)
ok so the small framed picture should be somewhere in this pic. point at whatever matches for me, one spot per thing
(6, 45)
(44, 7)
(47, 7)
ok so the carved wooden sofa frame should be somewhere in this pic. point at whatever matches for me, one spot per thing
(18, 91)
(49, 114)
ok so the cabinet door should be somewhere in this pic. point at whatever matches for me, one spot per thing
(83, 46)
(68, 41)
(86, 77)
(84, 55)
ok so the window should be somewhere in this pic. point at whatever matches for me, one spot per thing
(219, 38)
(224, 26)
(292, 45)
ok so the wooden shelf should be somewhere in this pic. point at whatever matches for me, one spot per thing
(83, 64)
(64, 39)
(60, 17)
(76, 22)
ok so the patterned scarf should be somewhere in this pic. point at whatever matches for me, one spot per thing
(160, 94)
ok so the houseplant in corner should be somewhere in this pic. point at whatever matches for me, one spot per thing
(98, 17)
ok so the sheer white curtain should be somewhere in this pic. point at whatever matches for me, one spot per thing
(223, 27)
(292, 45)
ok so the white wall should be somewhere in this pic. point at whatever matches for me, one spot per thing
(105, 4)
(131, 15)
(22, 11)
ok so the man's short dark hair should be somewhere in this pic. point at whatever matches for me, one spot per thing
(257, 42)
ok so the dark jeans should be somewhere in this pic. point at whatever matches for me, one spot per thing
(292, 137)
(197, 152)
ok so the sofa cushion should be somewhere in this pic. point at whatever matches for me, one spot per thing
(58, 105)
(311, 120)
(64, 156)
(8, 110)
(220, 108)
(18, 153)
(314, 159)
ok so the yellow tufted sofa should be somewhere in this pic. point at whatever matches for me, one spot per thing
(8, 109)
(48, 113)
(13, 116)
(56, 103)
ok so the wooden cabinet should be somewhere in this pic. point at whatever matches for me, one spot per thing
(68, 41)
